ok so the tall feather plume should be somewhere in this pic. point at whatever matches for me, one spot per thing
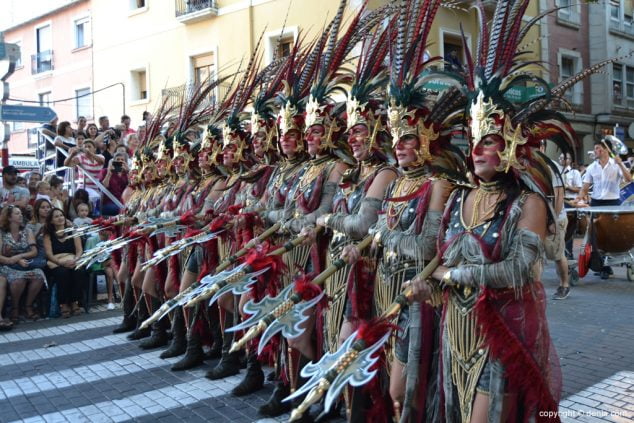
(497, 30)
(334, 32)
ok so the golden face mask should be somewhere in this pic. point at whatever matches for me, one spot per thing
(258, 124)
(287, 121)
(399, 122)
(483, 122)
(230, 137)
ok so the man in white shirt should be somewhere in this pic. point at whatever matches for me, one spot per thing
(605, 175)
(572, 186)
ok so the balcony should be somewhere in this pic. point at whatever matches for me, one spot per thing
(42, 62)
(623, 27)
(191, 11)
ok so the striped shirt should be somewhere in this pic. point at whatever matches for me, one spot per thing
(606, 181)
(90, 166)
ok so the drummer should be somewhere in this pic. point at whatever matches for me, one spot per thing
(572, 186)
(605, 175)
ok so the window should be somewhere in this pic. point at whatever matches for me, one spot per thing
(566, 71)
(83, 102)
(42, 61)
(203, 68)
(45, 98)
(623, 85)
(284, 47)
(137, 4)
(569, 12)
(82, 32)
(453, 52)
(615, 10)
(139, 85)
(18, 63)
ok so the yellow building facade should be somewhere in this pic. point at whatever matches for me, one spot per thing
(153, 48)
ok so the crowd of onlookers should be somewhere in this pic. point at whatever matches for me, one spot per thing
(37, 259)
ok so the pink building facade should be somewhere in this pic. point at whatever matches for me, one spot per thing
(55, 69)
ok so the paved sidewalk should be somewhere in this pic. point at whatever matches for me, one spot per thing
(76, 370)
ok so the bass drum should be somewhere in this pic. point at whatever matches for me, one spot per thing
(614, 229)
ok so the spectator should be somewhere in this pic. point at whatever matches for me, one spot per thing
(62, 254)
(34, 178)
(141, 132)
(64, 141)
(50, 128)
(127, 130)
(81, 127)
(81, 196)
(82, 219)
(452, 61)
(58, 195)
(104, 123)
(90, 164)
(110, 140)
(21, 182)
(582, 169)
(11, 193)
(81, 137)
(146, 117)
(5, 324)
(41, 209)
(92, 131)
(115, 179)
(43, 190)
(17, 247)
(132, 142)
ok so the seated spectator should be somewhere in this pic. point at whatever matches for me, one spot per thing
(34, 178)
(21, 182)
(81, 196)
(5, 324)
(62, 254)
(64, 141)
(106, 267)
(43, 190)
(89, 164)
(83, 210)
(50, 128)
(92, 131)
(59, 196)
(17, 248)
(115, 179)
(41, 209)
(10, 192)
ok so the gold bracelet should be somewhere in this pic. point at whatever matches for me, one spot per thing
(446, 279)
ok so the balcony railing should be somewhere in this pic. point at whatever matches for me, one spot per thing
(622, 26)
(42, 62)
(175, 95)
(189, 11)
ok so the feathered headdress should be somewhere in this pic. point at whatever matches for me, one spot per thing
(364, 103)
(497, 67)
(413, 110)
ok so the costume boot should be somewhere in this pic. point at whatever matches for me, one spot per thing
(229, 363)
(274, 406)
(253, 379)
(216, 334)
(142, 315)
(128, 322)
(194, 355)
(179, 336)
(159, 331)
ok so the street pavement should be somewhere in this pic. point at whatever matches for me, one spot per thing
(76, 370)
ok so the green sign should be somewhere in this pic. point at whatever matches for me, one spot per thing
(515, 94)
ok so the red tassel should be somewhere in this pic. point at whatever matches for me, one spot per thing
(188, 219)
(305, 287)
(375, 329)
(524, 373)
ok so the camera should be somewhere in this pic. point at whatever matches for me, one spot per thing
(117, 167)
